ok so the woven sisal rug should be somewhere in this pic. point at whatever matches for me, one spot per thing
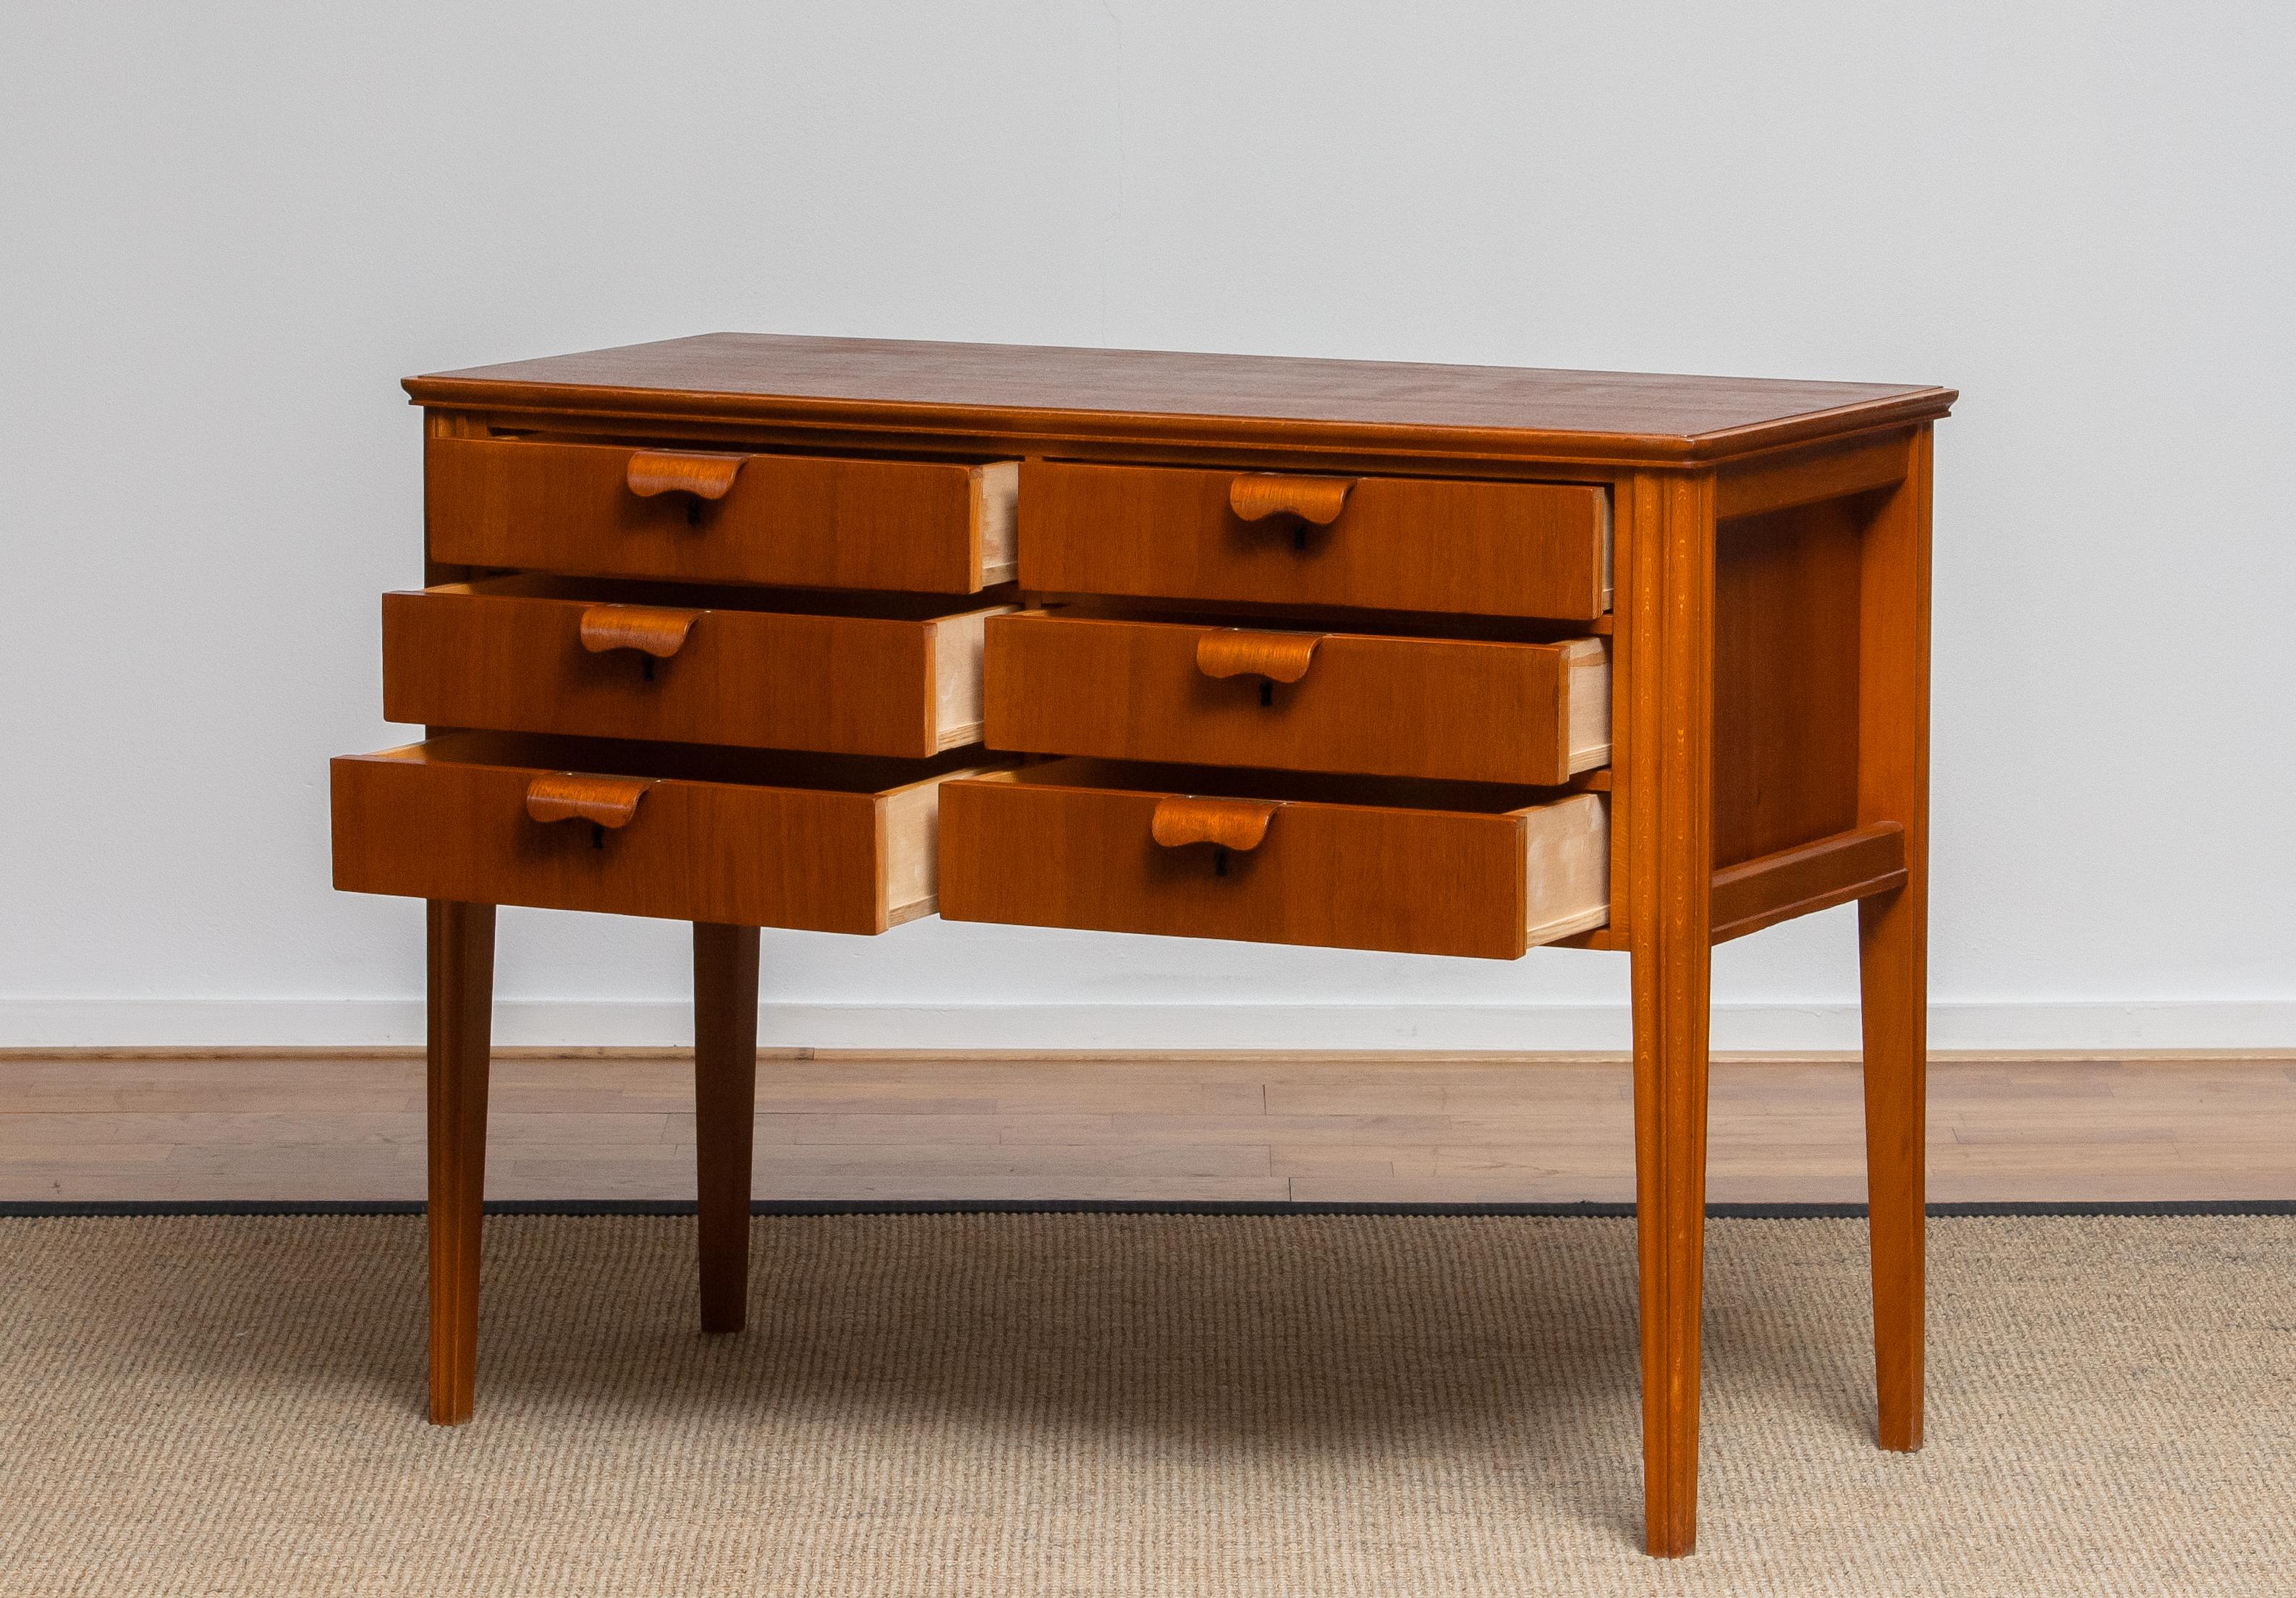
(1016, 1405)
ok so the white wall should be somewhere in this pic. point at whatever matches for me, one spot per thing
(229, 229)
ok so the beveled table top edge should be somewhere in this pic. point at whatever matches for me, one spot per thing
(1056, 396)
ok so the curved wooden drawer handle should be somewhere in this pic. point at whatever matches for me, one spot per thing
(1239, 651)
(1257, 495)
(1183, 819)
(576, 796)
(657, 631)
(704, 476)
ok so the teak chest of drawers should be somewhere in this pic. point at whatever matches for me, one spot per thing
(757, 631)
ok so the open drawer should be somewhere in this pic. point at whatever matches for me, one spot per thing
(1461, 709)
(830, 843)
(1418, 867)
(879, 674)
(723, 515)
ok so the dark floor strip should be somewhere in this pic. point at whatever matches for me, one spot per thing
(802, 1207)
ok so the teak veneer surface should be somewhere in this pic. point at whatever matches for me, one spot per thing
(1398, 543)
(521, 654)
(828, 843)
(1786, 678)
(1074, 843)
(1459, 710)
(810, 520)
(1084, 393)
(1742, 564)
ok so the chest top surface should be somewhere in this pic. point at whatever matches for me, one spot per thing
(1086, 394)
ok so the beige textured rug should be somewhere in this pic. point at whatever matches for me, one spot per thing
(1133, 1404)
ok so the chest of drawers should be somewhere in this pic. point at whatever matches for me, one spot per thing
(827, 634)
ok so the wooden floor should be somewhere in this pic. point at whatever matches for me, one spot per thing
(1332, 1129)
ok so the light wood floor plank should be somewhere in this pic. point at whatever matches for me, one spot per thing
(1339, 1129)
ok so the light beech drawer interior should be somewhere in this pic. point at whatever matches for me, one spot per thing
(815, 521)
(1461, 709)
(873, 674)
(1418, 867)
(1386, 543)
(830, 843)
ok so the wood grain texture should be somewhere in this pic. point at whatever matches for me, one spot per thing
(1246, 651)
(789, 840)
(1258, 496)
(1457, 709)
(1893, 786)
(445, 425)
(1786, 679)
(725, 1116)
(703, 474)
(1669, 662)
(650, 629)
(579, 796)
(1585, 711)
(1834, 469)
(1566, 867)
(1071, 843)
(1179, 820)
(803, 520)
(1770, 755)
(1034, 394)
(1807, 877)
(1414, 544)
(461, 960)
(1341, 1127)
(523, 654)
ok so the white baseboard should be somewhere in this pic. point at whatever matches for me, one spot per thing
(353, 1023)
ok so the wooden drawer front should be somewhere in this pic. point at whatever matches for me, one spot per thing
(1397, 543)
(455, 818)
(531, 655)
(802, 520)
(1042, 847)
(1461, 710)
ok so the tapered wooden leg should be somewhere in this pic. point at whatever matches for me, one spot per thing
(1669, 725)
(1893, 780)
(461, 980)
(1892, 965)
(725, 1107)
(1671, 1212)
